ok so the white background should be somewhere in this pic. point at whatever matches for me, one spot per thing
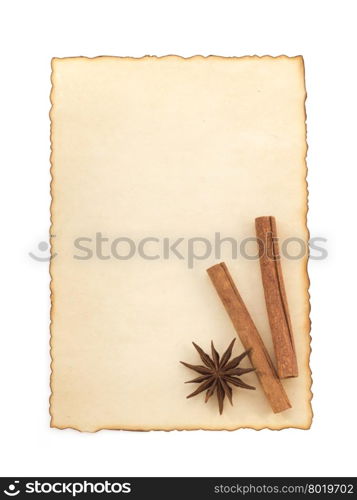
(324, 32)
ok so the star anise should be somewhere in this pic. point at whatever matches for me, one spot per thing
(218, 374)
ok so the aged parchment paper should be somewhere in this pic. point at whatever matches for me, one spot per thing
(169, 148)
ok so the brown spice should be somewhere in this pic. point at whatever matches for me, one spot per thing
(249, 336)
(275, 297)
(218, 374)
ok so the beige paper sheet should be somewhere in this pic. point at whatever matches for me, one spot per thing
(169, 148)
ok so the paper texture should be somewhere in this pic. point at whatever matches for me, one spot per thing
(169, 148)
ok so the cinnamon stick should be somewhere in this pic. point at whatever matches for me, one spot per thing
(249, 336)
(275, 297)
